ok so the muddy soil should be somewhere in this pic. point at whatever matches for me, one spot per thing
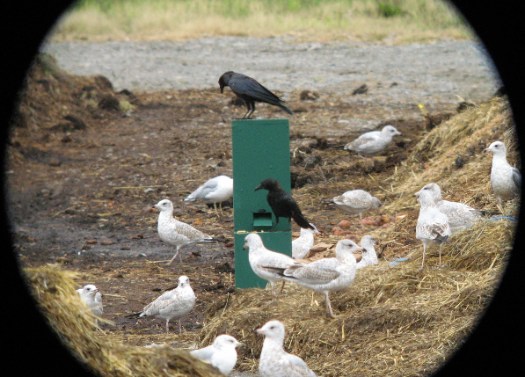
(84, 172)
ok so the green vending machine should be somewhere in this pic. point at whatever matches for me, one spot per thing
(261, 149)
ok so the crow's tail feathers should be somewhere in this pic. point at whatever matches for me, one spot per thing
(285, 108)
(301, 220)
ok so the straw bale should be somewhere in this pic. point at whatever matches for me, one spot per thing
(77, 327)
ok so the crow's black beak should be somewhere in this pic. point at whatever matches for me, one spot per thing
(258, 188)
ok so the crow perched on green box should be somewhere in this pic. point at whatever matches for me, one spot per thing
(250, 91)
(282, 203)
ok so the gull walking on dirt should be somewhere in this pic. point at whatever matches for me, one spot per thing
(265, 263)
(173, 304)
(214, 191)
(373, 142)
(221, 354)
(369, 252)
(460, 216)
(505, 179)
(274, 360)
(432, 224)
(175, 232)
(91, 296)
(328, 274)
(301, 245)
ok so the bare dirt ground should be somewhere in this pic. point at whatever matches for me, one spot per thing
(87, 162)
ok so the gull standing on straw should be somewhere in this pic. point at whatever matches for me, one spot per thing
(328, 274)
(505, 179)
(274, 360)
(460, 216)
(432, 224)
(175, 232)
(91, 296)
(175, 303)
(265, 263)
(214, 191)
(221, 354)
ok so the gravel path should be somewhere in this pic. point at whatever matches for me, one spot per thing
(430, 73)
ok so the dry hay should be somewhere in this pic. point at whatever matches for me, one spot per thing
(398, 321)
(77, 327)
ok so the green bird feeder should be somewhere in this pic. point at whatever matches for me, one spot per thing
(261, 149)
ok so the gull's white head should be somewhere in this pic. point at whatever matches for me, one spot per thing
(225, 341)
(252, 241)
(433, 189)
(346, 247)
(425, 197)
(367, 241)
(390, 130)
(88, 290)
(272, 330)
(497, 148)
(376, 203)
(184, 281)
(164, 205)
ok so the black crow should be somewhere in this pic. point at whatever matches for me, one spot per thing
(250, 91)
(282, 203)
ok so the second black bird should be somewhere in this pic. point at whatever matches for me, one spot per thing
(250, 91)
(282, 203)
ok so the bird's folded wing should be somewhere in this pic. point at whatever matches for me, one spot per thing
(297, 367)
(250, 87)
(203, 354)
(187, 230)
(158, 302)
(435, 230)
(313, 273)
(274, 260)
(209, 186)
(363, 140)
(439, 231)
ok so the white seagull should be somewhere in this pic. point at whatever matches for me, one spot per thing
(369, 252)
(355, 202)
(214, 191)
(373, 142)
(505, 179)
(460, 216)
(432, 224)
(175, 232)
(175, 303)
(221, 354)
(265, 263)
(328, 274)
(91, 296)
(301, 245)
(274, 360)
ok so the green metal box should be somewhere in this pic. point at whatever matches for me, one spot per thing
(260, 150)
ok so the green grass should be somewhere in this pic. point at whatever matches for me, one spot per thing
(391, 21)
